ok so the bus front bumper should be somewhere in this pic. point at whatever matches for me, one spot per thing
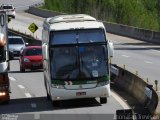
(66, 94)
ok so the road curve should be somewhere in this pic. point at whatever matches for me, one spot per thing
(21, 5)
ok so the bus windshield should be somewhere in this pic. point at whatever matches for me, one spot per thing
(77, 36)
(78, 62)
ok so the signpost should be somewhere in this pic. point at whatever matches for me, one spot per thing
(33, 28)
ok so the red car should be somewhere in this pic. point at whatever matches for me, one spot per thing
(31, 58)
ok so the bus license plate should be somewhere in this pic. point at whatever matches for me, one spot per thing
(80, 93)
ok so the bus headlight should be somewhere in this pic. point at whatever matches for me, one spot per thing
(57, 86)
(102, 83)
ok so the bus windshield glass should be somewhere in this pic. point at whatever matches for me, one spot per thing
(86, 62)
(77, 36)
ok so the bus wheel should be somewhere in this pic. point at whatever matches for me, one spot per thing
(56, 103)
(6, 102)
(103, 100)
(48, 97)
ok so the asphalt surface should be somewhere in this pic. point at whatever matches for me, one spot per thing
(28, 93)
(137, 56)
(22, 5)
(28, 98)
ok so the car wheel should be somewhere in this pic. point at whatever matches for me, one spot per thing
(22, 69)
(103, 100)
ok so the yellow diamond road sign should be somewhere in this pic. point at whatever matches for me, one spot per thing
(33, 27)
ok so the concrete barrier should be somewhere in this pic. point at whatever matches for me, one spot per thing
(119, 29)
(133, 32)
(43, 13)
(27, 38)
(136, 87)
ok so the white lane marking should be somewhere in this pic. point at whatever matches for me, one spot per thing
(12, 78)
(37, 116)
(125, 56)
(148, 62)
(121, 102)
(21, 86)
(155, 50)
(33, 105)
(28, 95)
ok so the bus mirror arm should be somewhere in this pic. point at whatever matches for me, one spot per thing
(111, 49)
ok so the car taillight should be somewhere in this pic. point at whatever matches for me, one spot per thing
(2, 93)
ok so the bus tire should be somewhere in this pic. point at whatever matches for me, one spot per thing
(48, 97)
(103, 100)
(48, 92)
(56, 103)
(6, 102)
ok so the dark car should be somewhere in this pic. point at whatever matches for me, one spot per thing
(31, 58)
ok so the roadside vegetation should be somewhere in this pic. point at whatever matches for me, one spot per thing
(139, 13)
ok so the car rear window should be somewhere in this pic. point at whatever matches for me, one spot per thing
(7, 7)
(33, 52)
(15, 41)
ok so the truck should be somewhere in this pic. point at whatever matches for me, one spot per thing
(4, 60)
(76, 58)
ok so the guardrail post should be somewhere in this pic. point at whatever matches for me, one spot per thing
(147, 80)
(124, 67)
(156, 83)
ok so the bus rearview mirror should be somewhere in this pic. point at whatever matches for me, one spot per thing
(111, 49)
(45, 51)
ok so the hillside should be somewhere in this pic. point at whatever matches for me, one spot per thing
(138, 13)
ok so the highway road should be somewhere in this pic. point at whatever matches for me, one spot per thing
(21, 5)
(28, 97)
(137, 56)
(28, 93)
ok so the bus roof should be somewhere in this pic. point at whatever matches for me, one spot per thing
(76, 21)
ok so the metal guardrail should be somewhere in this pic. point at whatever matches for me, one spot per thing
(119, 29)
(29, 39)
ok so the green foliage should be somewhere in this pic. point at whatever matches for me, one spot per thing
(138, 13)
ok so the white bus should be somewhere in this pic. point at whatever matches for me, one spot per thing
(76, 55)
